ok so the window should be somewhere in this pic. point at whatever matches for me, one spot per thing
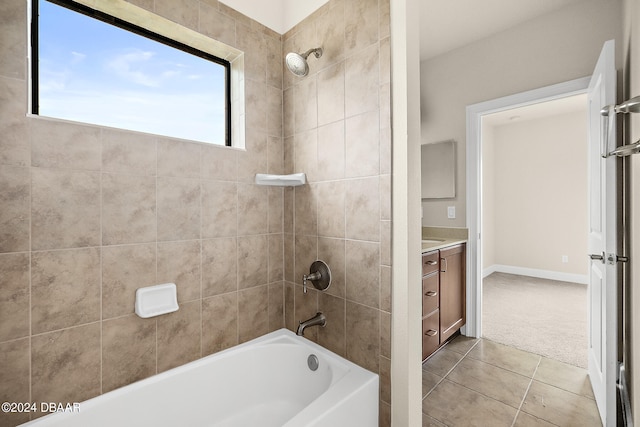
(91, 67)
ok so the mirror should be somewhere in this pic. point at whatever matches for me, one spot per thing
(439, 170)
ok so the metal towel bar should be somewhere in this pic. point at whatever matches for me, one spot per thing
(626, 150)
(629, 106)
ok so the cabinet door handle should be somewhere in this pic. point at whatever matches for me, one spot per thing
(431, 262)
(431, 333)
(431, 294)
(443, 262)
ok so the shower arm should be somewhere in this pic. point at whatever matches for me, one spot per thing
(317, 51)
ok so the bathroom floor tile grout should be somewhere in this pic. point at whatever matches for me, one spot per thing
(483, 394)
(519, 409)
(448, 372)
(524, 397)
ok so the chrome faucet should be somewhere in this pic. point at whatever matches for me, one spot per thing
(319, 319)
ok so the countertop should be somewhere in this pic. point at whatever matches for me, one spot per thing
(441, 243)
(442, 237)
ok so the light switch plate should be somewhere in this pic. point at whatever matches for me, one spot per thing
(451, 212)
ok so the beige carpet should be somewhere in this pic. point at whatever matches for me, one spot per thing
(545, 317)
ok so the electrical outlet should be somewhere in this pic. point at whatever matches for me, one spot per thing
(565, 259)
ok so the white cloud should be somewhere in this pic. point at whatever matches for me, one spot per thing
(183, 109)
(77, 57)
(170, 73)
(124, 66)
(191, 116)
(143, 68)
(52, 78)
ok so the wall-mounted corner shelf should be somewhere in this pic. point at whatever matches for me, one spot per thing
(291, 180)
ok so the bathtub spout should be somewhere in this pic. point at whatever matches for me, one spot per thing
(319, 319)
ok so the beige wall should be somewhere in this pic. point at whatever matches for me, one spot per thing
(337, 130)
(537, 194)
(89, 214)
(553, 48)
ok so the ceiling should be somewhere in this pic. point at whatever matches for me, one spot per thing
(448, 25)
(444, 25)
(279, 15)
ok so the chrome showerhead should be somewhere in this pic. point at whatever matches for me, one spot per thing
(297, 63)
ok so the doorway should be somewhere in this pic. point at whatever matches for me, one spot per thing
(475, 114)
(534, 221)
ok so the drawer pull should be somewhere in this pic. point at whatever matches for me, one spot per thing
(432, 262)
(431, 294)
(431, 333)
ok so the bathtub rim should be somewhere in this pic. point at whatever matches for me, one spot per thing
(342, 387)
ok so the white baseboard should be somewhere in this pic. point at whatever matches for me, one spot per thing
(533, 272)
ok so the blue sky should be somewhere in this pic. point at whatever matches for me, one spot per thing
(93, 72)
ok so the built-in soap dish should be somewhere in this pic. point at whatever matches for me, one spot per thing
(290, 180)
(156, 300)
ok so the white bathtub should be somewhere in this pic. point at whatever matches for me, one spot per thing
(265, 382)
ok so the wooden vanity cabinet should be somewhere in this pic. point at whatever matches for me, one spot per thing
(430, 289)
(452, 290)
(443, 296)
(430, 303)
(430, 334)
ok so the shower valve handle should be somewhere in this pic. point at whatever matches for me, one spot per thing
(319, 275)
(313, 276)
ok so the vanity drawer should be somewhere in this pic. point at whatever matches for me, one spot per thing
(430, 334)
(430, 262)
(430, 297)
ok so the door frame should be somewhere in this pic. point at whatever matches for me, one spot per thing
(475, 113)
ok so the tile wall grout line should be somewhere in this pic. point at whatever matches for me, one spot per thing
(526, 392)
(30, 271)
(236, 237)
(201, 297)
(201, 184)
(157, 179)
(66, 328)
(102, 141)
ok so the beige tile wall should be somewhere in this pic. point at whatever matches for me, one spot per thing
(89, 214)
(336, 123)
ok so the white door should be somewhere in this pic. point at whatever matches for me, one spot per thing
(603, 337)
